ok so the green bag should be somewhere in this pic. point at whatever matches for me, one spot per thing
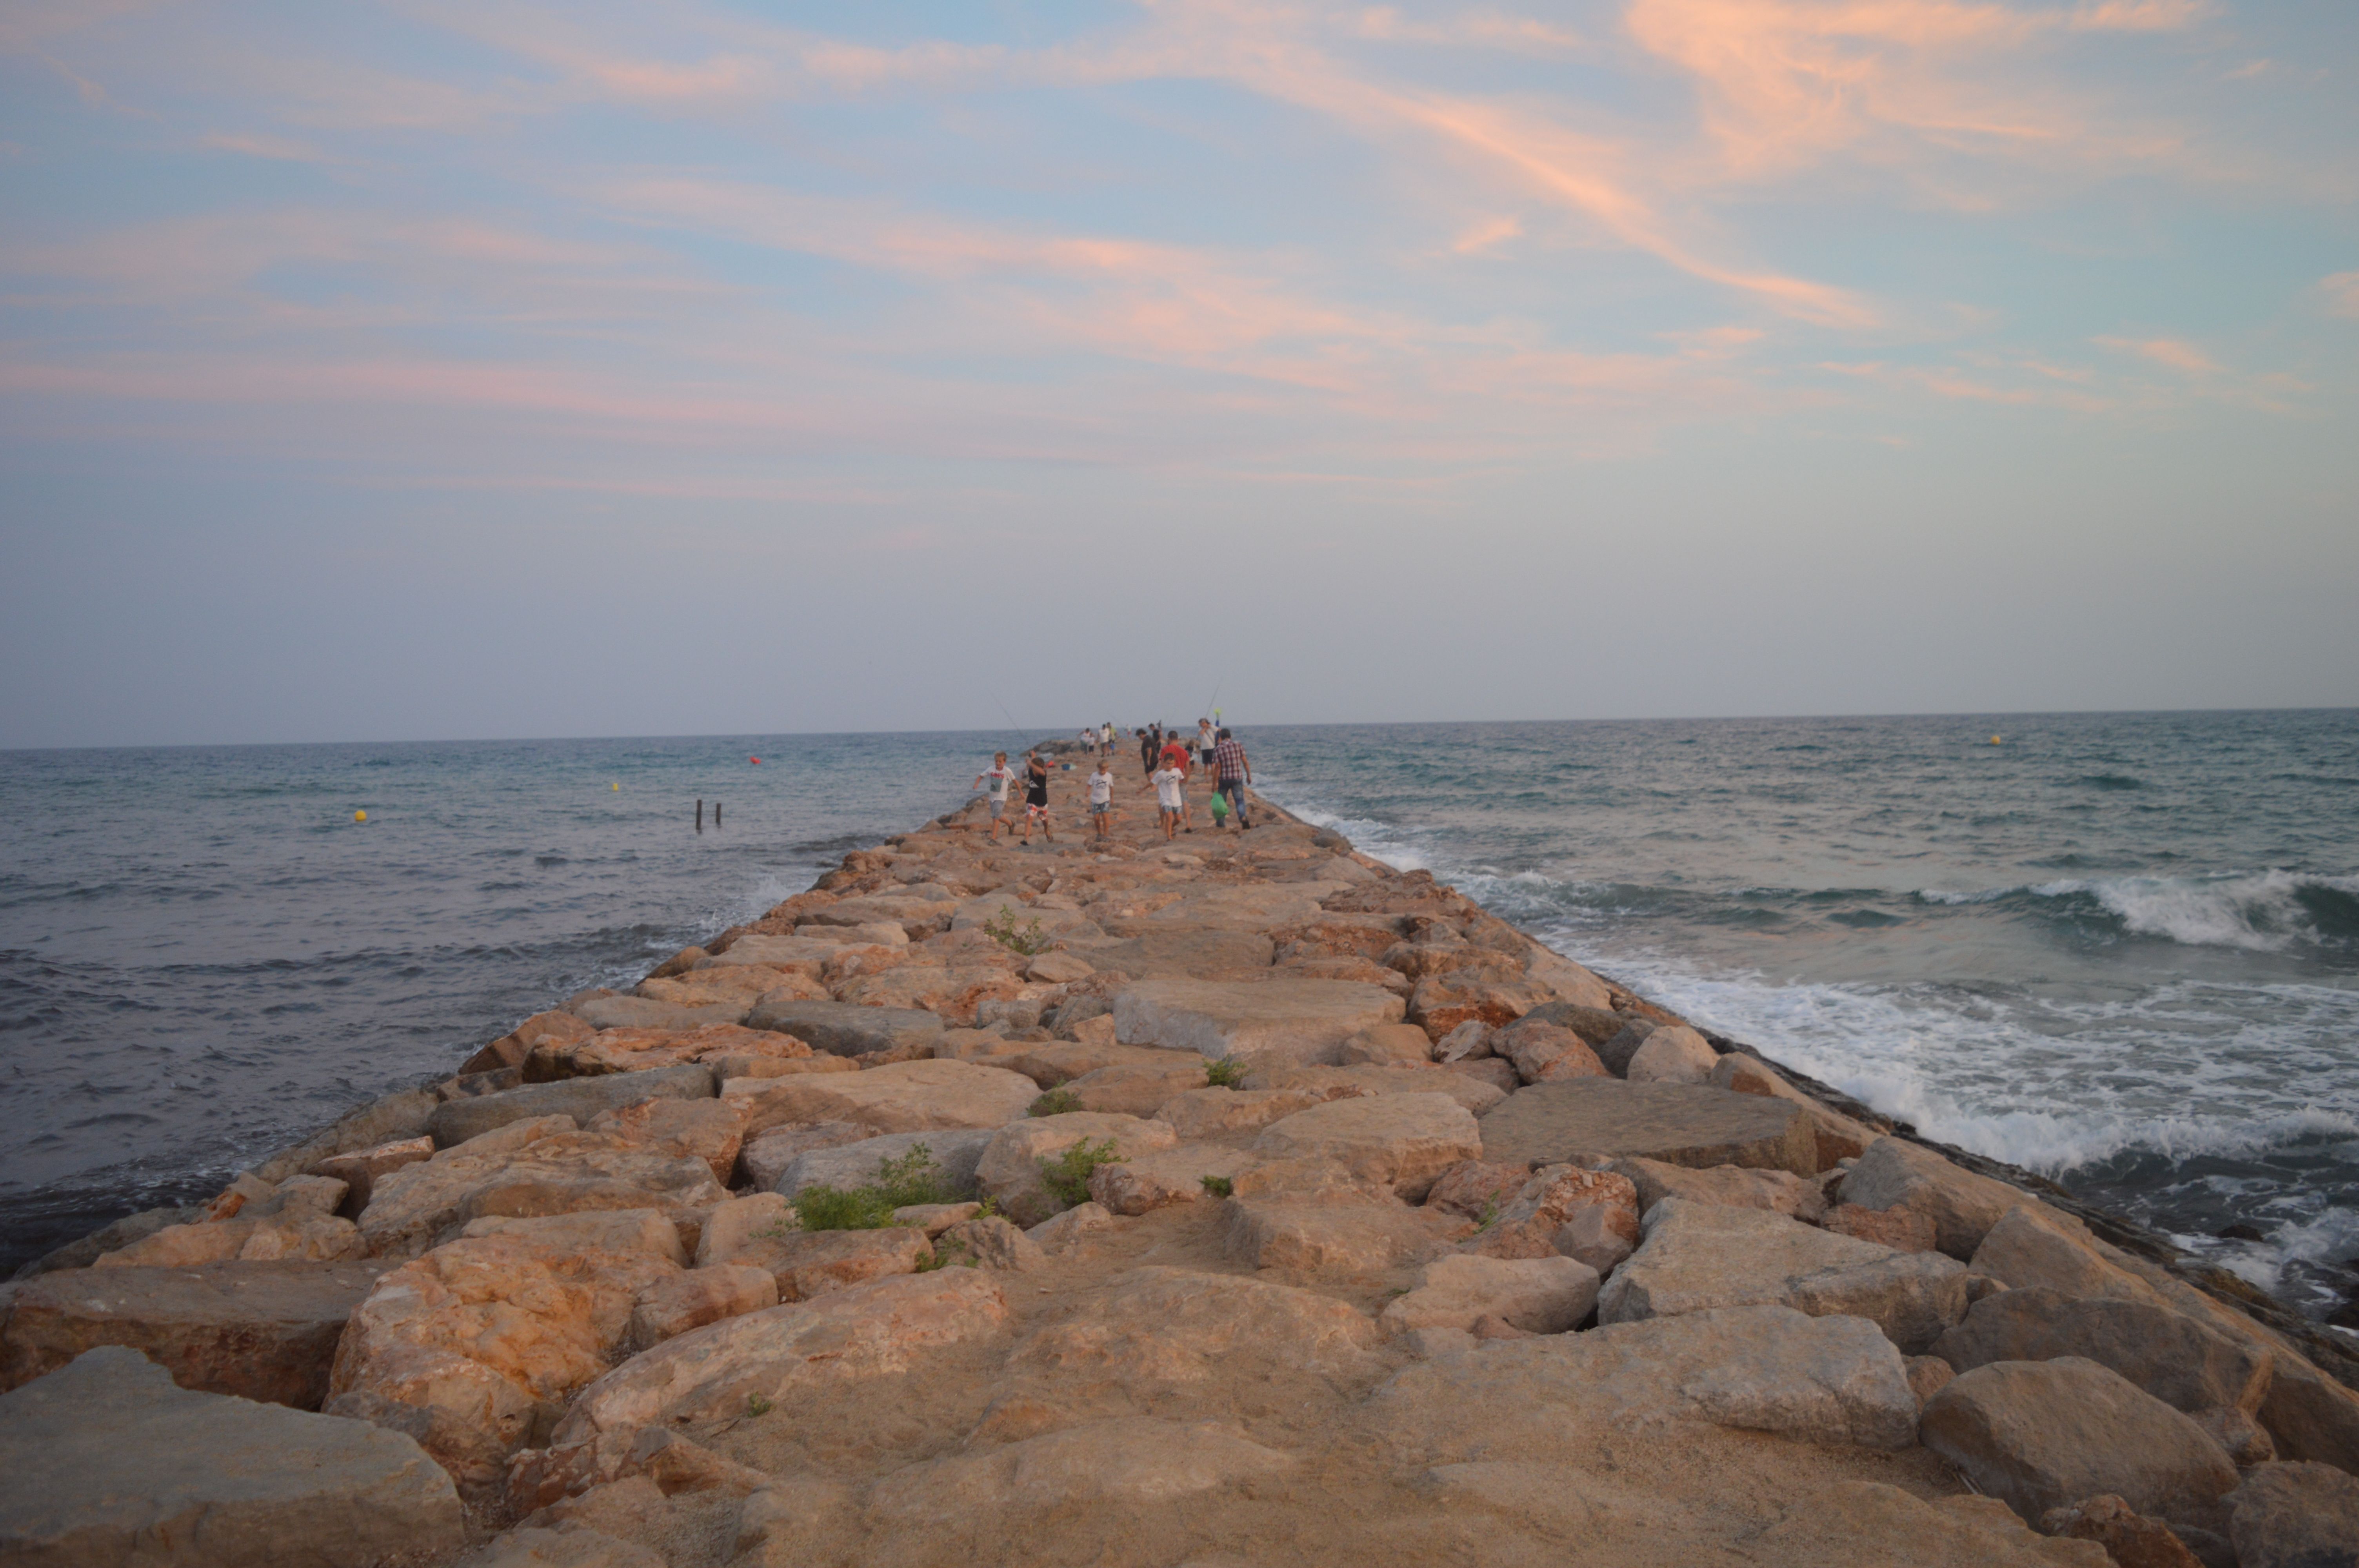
(1220, 807)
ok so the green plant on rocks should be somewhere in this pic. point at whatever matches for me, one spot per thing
(914, 1178)
(1067, 1176)
(1056, 1102)
(1000, 928)
(1224, 1074)
(1219, 1186)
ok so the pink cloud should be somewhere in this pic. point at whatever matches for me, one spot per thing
(2342, 292)
(2185, 358)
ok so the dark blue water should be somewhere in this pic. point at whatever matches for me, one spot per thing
(2120, 948)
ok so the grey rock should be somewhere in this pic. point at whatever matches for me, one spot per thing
(845, 1029)
(108, 1463)
(581, 1098)
(1699, 1256)
(386, 1119)
(958, 1151)
(1962, 1206)
(2295, 1516)
(1680, 1124)
(1617, 1049)
(1593, 1024)
(2045, 1434)
(2180, 1361)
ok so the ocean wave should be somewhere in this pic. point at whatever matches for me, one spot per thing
(2259, 910)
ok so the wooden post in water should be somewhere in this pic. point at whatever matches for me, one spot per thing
(716, 814)
(700, 814)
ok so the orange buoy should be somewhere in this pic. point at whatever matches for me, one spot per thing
(755, 761)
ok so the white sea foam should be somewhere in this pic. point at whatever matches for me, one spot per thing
(2258, 911)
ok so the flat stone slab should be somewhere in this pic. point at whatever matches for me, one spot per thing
(1288, 1020)
(957, 1151)
(1680, 1124)
(1185, 955)
(111, 1465)
(261, 1331)
(845, 1029)
(455, 1122)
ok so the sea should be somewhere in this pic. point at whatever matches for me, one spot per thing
(2119, 949)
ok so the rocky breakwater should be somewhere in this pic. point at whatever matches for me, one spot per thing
(1236, 1200)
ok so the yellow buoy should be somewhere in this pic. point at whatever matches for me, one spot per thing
(618, 789)
(1994, 740)
(359, 817)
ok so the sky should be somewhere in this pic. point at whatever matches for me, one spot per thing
(438, 370)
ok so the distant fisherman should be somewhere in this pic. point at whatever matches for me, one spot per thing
(1036, 797)
(1236, 771)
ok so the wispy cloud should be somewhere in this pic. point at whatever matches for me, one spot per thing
(2342, 292)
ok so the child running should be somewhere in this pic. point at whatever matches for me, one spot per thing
(1036, 797)
(1166, 781)
(1102, 798)
(1001, 775)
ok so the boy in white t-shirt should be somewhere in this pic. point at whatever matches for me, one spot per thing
(1102, 798)
(1169, 797)
(1001, 775)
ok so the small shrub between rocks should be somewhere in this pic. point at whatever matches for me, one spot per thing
(1219, 1186)
(1000, 928)
(1056, 1102)
(1224, 1074)
(1067, 1176)
(914, 1178)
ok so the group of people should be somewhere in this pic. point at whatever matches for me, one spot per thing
(1168, 761)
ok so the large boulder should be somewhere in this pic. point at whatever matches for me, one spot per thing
(1443, 1002)
(1337, 1232)
(111, 1465)
(1155, 1329)
(1561, 1210)
(1403, 1140)
(2044, 1434)
(1964, 1207)
(455, 1122)
(955, 1151)
(1680, 1124)
(467, 1347)
(1273, 1020)
(2295, 1516)
(1010, 1170)
(1762, 1368)
(1138, 1088)
(1866, 1524)
(1207, 1113)
(708, 1129)
(722, 1047)
(1733, 1187)
(869, 1331)
(1839, 1137)
(901, 1097)
(1699, 1256)
(1672, 1055)
(1176, 1175)
(1184, 953)
(2186, 1364)
(845, 1029)
(2036, 1245)
(261, 1331)
(607, 1010)
(1539, 1295)
(807, 1263)
(556, 1171)
(1127, 1461)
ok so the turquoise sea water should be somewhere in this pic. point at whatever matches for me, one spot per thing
(2121, 948)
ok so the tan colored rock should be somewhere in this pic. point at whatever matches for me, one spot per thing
(1472, 1095)
(1734, 1187)
(601, 1230)
(511, 1049)
(1680, 1124)
(1057, 968)
(880, 1329)
(361, 1169)
(734, 1225)
(1541, 1052)
(1206, 1113)
(2243, 1439)
(558, 1172)
(1701, 1256)
(576, 1546)
(1442, 1003)
(1337, 1235)
(1532, 1223)
(1011, 1166)
(1405, 1140)
(807, 1263)
(266, 1332)
(1127, 1461)
(1478, 1189)
(467, 1347)
(1275, 1019)
(1486, 1070)
(990, 1242)
(612, 1051)
(2042, 1435)
(1387, 1045)
(1539, 1296)
(2036, 1245)
(2295, 1516)
(1673, 1054)
(762, 1160)
(301, 1237)
(706, 1129)
(1157, 1329)
(1840, 1137)
(1962, 1205)
(1162, 1179)
(694, 1298)
(907, 1097)
(1928, 1375)
(1900, 1228)
(951, 1154)
(1857, 1524)
(1074, 1230)
(1136, 1088)
(2130, 1539)
(933, 1219)
(2177, 1359)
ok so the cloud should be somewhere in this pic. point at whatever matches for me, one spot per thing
(276, 149)
(2184, 358)
(2342, 292)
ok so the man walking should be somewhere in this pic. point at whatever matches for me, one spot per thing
(1235, 772)
(1000, 775)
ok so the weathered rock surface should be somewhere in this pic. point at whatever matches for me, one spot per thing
(955, 1151)
(455, 1122)
(1337, 1233)
(903, 1096)
(763, 1159)
(1274, 1020)
(570, 1546)
(2178, 1360)
(873, 1330)
(1205, 1113)
(1767, 1369)
(2042, 1435)
(111, 1465)
(1403, 1140)
(990, 1242)
(1680, 1124)
(1732, 1186)
(1863, 1524)
(730, 1227)
(1127, 1460)
(2035, 1245)
(706, 1129)
(1138, 1088)
(557, 1172)
(693, 1299)
(1840, 1137)
(1672, 1055)
(261, 1331)
(1600, 1206)
(1159, 1180)
(1387, 1045)
(1010, 1170)
(1157, 1329)
(1962, 1205)
(361, 1169)
(1539, 1296)
(842, 1029)
(1442, 1003)
(2130, 1539)
(612, 1012)
(1698, 1256)
(2295, 1516)
(808, 1263)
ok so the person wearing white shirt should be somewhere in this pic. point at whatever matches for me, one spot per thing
(1101, 797)
(1167, 781)
(1000, 776)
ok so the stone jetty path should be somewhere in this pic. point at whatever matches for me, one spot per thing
(1236, 1202)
